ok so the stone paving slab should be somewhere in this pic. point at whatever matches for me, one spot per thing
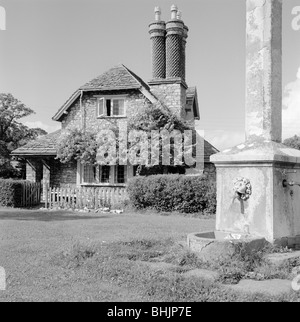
(273, 287)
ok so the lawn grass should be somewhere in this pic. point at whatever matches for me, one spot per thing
(65, 256)
(30, 238)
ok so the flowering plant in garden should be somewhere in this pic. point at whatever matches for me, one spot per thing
(153, 133)
(77, 145)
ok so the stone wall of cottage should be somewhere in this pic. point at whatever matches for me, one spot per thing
(173, 96)
(74, 117)
(62, 174)
(134, 101)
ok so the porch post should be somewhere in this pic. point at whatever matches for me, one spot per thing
(34, 170)
(78, 175)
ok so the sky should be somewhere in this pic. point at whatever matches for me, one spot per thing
(52, 47)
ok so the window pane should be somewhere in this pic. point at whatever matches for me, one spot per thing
(104, 174)
(118, 107)
(89, 172)
(121, 174)
(101, 107)
(108, 107)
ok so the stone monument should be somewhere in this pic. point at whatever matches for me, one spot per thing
(256, 192)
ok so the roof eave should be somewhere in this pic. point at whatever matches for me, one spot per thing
(32, 154)
(103, 89)
(197, 116)
(65, 107)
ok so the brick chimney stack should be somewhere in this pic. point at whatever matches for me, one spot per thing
(174, 45)
(184, 41)
(169, 60)
(157, 32)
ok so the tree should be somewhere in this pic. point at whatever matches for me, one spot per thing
(13, 134)
(293, 142)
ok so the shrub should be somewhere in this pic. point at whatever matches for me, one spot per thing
(11, 192)
(77, 145)
(173, 193)
(8, 171)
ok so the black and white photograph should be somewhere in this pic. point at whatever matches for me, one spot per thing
(149, 154)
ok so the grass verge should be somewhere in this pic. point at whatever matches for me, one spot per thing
(126, 264)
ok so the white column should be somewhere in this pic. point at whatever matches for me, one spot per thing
(264, 70)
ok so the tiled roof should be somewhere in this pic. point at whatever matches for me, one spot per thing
(45, 145)
(118, 77)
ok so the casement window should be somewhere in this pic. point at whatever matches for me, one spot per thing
(89, 174)
(120, 174)
(111, 107)
(104, 174)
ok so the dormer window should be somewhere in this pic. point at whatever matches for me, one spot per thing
(111, 107)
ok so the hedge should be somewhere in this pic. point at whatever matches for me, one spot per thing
(173, 193)
(11, 192)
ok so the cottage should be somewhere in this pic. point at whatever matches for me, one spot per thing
(112, 98)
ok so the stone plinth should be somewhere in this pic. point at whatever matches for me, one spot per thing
(272, 210)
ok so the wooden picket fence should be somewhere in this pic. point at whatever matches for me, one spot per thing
(84, 198)
(30, 194)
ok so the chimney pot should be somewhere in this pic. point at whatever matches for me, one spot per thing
(174, 11)
(157, 14)
(179, 15)
(157, 31)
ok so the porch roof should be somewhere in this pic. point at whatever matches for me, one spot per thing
(45, 145)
